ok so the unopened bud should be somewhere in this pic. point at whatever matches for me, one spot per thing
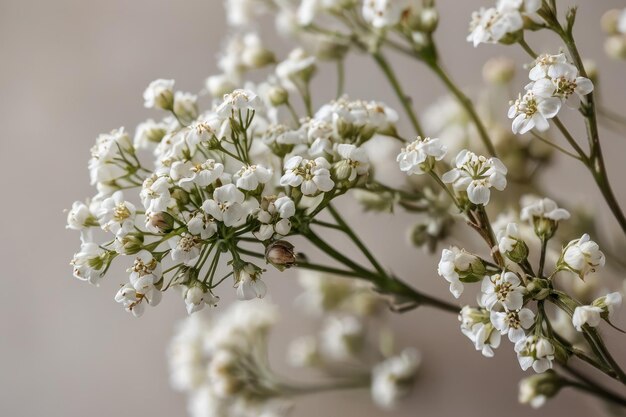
(536, 389)
(160, 222)
(280, 254)
(429, 19)
(130, 244)
(538, 288)
(277, 96)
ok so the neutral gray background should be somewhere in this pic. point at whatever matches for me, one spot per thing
(73, 68)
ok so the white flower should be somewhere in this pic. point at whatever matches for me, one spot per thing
(342, 338)
(589, 315)
(89, 262)
(535, 351)
(155, 194)
(149, 134)
(533, 208)
(250, 176)
(117, 215)
(493, 24)
(145, 271)
(274, 216)
(513, 322)
(610, 303)
(312, 176)
(82, 217)
(356, 158)
(202, 225)
(103, 166)
(185, 107)
(196, 298)
(296, 70)
(508, 238)
(543, 64)
(582, 256)
(562, 81)
(476, 175)
(310, 8)
(536, 389)
(532, 112)
(242, 13)
(159, 94)
(505, 290)
(418, 156)
(203, 174)
(457, 264)
(393, 378)
(387, 13)
(238, 101)
(226, 205)
(249, 284)
(185, 248)
(477, 326)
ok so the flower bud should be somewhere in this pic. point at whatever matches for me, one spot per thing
(429, 19)
(615, 46)
(277, 96)
(129, 244)
(159, 94)
(342, 170)
(160, 222)
(257, 57)
(280, 254)
(185, 107)
(538, 288)
(609, 21)
(536, 389)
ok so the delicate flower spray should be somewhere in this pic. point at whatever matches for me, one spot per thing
(230, 185)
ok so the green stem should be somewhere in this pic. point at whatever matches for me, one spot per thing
(466, 103)
(397, 88)
(341, 72)
(598, 392)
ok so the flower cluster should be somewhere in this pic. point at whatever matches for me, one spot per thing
(554, 81)
(501, 23)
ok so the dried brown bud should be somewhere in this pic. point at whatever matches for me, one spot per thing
(280, 254)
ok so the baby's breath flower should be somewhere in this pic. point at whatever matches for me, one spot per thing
(477, 326)
(536, 352)
(420, 155)
(248, 282)
(159, 94)
(393, 378)
(475, 175)
(503, 290)
(458, 266)
(513, 322)
(581, 256)
(531, 111)
(311, 176)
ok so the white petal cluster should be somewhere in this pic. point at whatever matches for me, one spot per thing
(196, 298)
(274, 216)
(310, 176)
(117, 215)
(494, 24)
(419, 156)
(475, 175)
(582, 256)
(159, 94)
(535, 352)
(554, 81)
(145, 275)
(236, 102)
(248, 283)
(342, 338)
(393, 378)
(503, 290)
(457, 264)
(541, 208)
(592, 315)
(89, 262)
(386, 13)
(476, 325)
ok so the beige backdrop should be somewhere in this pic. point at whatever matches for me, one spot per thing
(73, 68)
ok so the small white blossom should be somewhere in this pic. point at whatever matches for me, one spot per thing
(386, 13)
(226, 205)
(274, 215)
(508, 238)
(493, 24)
(117, 215)
(159, 94)
(185, 248)
(562, 81)
(531, 111)
(185, 107)
(533, 207)
(103, 167)
(155, 194)
(238, 101)
(455, 264)
(203, 225)
(150, 133)
(311, 176)
(249, 284)
(196, 298)
(589, 315)
(250, 176)
(475, 175)
(505, 290)
(203, 174)
(418, 156)
(582, 256)
(535, 352)
(342, 338)
(513, 322)
(296, 70)
(89, 262)
(477, 326)
(357, 161)
(536, 389)
(393, 378)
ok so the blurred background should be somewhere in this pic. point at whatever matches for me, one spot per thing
(74, 68)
